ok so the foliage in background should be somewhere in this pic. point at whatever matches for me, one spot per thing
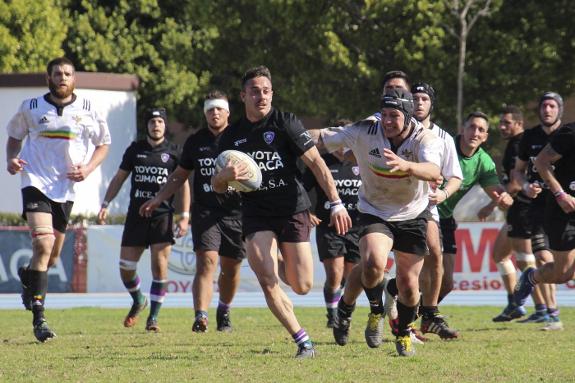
(327, 56)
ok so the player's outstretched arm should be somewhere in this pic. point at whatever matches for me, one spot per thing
(113, 190)
(175, 181)
(499, 196)
(425, 171)
(339, 216)
(13, 163)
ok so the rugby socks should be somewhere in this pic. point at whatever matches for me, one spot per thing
(157, 294)
(38, 287)
(133, 287)
(541, 308)
(201, 313)
(301, 337)
(509, 299)
(392, 287)
(344, 310)
(375, 298)
(428, 312)
(331, 297)
(553, 312)
(406, 316)
(223, 307)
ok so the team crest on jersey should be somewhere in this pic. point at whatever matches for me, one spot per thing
(269, 137)
(355, 170)
(77, 119)
(43, 120)
(165, 157)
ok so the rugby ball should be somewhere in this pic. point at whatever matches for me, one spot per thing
(255, 175)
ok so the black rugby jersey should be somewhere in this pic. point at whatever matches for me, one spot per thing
(509, 157)
(563, 142)
(532, 142)
(347, 181)
(150, 167)
(275, 143)
(199, 154)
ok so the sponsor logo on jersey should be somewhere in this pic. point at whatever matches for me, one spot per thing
(239, 142)
(307, 137)
(43, 120)
(536, 146)
(204, 148)
(355, 170)
(150, 174)
(267, 160)
(375, 153)
(141, 156)
(165, 157)
(269, 137)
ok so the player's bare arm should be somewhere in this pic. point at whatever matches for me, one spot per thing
(544, 165)
(80, 172)
(113, 190)
(232, 172)
(519, 180)
(183, 198)
(339, 216)
(175, 181)
(425, 171)
(440, 195)
(14, 164)
(499, 196)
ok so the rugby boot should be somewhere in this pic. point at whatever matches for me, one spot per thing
(437, 325)
(404, 346)
(305, 350)
(340, 329)
(200, 323)
(510, 312)
(132, 317)
(374, 330)
(223, 321)
(536, 317)
(152, 325)
(524, 287)
(42, 332)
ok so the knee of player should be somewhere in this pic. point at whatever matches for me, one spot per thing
(43, 238)
(302, 288)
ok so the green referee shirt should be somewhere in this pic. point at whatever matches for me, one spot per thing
(477, 169)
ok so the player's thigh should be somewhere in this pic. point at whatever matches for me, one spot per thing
(433, 242)
(131, 253)
(262, 254)
(408, 267)
(374, 248)
(298, 261)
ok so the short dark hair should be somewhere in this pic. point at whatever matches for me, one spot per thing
(396, 74)
(57, 62)
(514, 111)
(216, 94)
(477, 114)
(259, 71)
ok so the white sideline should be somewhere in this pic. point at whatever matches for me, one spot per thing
(255, 299)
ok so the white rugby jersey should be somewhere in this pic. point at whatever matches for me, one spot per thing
(57, 138)
(391, 196)
(450, 167)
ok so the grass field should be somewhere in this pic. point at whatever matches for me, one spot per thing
(93, 346)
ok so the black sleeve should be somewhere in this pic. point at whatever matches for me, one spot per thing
(127, 163)
(300, 139)
(563, 142)
(523, 148)
(187, 159)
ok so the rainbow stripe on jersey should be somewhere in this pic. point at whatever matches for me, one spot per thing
(62, 134)
(387, 173)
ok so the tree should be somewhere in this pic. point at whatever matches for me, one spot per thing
(31, 34)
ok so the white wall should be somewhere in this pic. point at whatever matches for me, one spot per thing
(119, 109)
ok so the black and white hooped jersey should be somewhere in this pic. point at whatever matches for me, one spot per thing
(347, 182)
(150, 168)
(275, 143)
(532, 142)
(199, 154)
(58, 137)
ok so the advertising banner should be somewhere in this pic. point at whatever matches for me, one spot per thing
(16, 250)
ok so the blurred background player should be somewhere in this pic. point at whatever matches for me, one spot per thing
(59, 129)
(338, 253)
(216, 219)
(477, 168)
(535, 191)
(149, 161)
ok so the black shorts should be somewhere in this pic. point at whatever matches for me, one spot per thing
(448, 227)
(518, 221)
(143, 232)
(409, 236)
(560, 228)
(218, 233)
(34, 201)
(294, 228)
(332, 245)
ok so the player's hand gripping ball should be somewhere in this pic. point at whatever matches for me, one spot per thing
(254, 180)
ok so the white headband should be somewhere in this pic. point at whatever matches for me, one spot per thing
(216, 103)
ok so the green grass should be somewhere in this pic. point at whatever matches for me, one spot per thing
(93, 346)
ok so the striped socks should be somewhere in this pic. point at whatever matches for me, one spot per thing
(157, 294)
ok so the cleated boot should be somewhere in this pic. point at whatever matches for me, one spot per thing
(536, 317)
(554, 324)
(341, 329)
(374, 330)
(200, 323)
(403, 346)
(152, 325)
(331, 314)
(437, 325)
(132, 317)
(223, 321)
(509, 313)
(305, 350)
(42, 332)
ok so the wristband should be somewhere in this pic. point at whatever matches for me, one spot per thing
(105, 204)
(446, 193)
(335, 203)
(559, 194)
(185, 214)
